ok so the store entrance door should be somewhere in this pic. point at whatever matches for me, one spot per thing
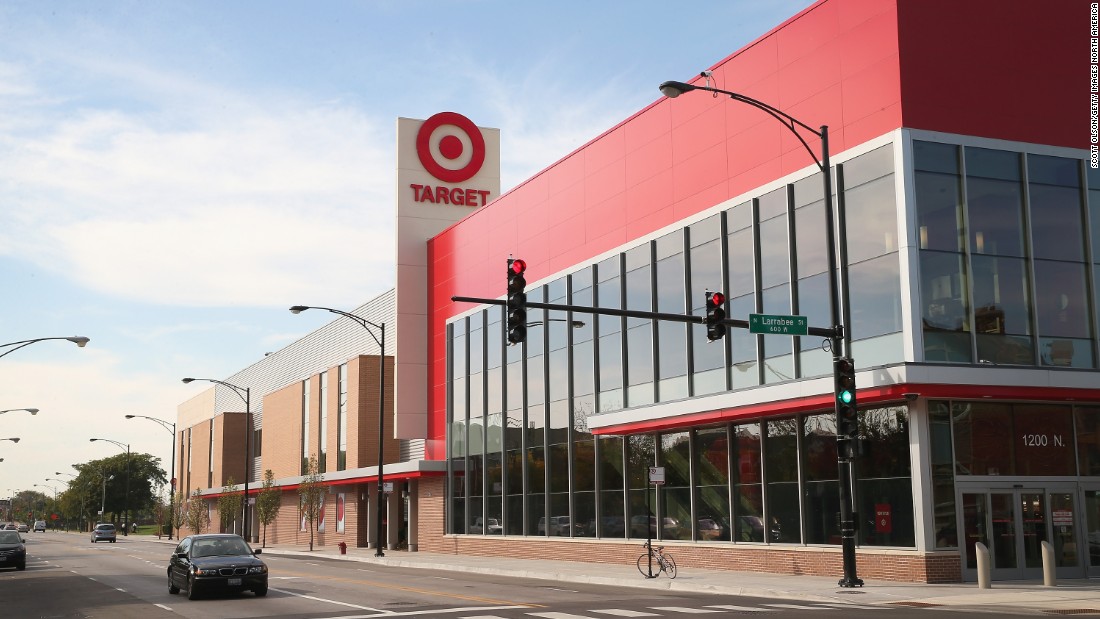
(1013, 522)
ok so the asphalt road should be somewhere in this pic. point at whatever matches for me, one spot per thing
(67, 576)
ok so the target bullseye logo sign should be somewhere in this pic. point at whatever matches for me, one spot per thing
(452, 149)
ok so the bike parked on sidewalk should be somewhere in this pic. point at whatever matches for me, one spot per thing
(656, 557)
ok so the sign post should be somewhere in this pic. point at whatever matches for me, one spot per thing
(656, 478)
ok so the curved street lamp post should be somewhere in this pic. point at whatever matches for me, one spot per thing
(125, 497)
(171, 427)
(33, 411)
(244, 393)
(381, 341)
(841, 335)
(79, 340)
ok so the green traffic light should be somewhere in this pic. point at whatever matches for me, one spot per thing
(846, 397)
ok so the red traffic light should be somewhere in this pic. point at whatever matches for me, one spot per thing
(716, 298)
(518, 266)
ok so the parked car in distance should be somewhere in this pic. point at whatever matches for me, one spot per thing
(104, 531)
(709, 529)
(559, 525)
(22, 528)
(12, 551)
(39, 525)
(10, 527)
(216, 562)
(491, 526)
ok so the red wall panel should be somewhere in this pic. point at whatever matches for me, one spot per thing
(1008, 69)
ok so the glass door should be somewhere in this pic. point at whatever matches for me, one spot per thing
(1013, 523)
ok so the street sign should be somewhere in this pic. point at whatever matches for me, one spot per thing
(657, 475)
(777, 324)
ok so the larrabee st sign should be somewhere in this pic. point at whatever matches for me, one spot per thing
(452, 150)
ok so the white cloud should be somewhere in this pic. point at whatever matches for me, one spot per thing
(296, 200)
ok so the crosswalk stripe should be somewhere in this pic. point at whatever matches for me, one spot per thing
(741, 608)
(799, 607)
(484, 617)
(621, 612)
(559, 616)
(685, 610)
(847, 606)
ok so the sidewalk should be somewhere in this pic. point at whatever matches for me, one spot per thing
(1067, 597)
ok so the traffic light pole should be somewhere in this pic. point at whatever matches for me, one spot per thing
(646, 315)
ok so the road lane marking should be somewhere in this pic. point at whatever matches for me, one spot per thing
(621, 612)
(168, 608)
(382, 585)
(437, 611)
(683, 610)
(744, 609)
(310, 597)
(796, 606)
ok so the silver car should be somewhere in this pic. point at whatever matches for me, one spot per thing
(105, 531)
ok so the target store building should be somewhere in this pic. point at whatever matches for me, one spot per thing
(961, 160)
(960, 149)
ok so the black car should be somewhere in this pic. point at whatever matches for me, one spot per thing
(215, 563)
(12, 551)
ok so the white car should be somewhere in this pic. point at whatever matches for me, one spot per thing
(39, 525)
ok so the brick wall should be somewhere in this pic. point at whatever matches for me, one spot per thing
(286, 528)
(283, 431)
(894, 565)
(229, 448)
(430, 512)
(363, 414)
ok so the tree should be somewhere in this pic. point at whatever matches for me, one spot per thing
(179, 512)
(198, 516)
(160, 515)
(229, 505)
(268, 502)
(312, 495)
(145, 477)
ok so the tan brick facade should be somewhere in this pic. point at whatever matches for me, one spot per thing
(282, 434)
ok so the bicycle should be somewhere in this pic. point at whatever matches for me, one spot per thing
(661, 560)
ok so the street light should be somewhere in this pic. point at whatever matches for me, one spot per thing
(841, 335)
(50, 487)
(244, 393)
(103, 505)
(381, 341)
(33, 411)
(125, 497)
(79, 340)
(171, 427)
(80, 495)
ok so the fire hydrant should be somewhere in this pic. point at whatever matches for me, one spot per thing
(343, 548)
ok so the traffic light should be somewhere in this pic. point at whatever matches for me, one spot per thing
(716, 313)
(517, 301)
(847, 420)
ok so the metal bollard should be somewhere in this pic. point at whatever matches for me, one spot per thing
(1048, 564)
(983, 565)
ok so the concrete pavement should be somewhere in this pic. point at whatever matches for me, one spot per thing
(1066, 597)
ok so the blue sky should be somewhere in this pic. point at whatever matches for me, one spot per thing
(174, 175)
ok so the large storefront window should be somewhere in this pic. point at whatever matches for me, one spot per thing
(884, 490)
(520, 415)
(1000, 256)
